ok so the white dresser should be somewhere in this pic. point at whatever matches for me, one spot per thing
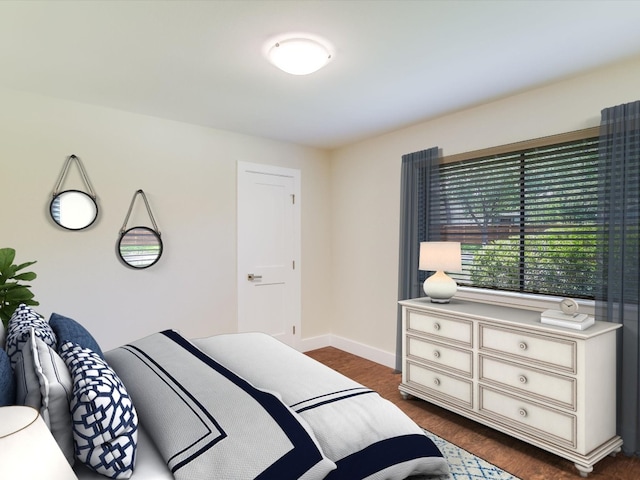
(549, 386)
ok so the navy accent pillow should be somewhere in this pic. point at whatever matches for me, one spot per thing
(68, 330)
(7, 381)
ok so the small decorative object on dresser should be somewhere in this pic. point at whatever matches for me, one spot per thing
(567, 316)
(552, 387)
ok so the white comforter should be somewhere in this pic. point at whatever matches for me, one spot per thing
(364, 434)
(246, 406)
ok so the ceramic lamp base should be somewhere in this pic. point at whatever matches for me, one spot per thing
(439, 287)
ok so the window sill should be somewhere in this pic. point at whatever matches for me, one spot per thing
(521, 300)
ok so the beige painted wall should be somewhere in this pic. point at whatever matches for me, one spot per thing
(350, 209)
(365, 182)
(189, 175)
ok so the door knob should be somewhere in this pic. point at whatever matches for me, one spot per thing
(251, 276)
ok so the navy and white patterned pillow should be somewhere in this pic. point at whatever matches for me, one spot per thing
(20, 329)
(105, 423)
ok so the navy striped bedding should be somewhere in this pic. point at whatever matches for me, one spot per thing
(208, 422)
(366, 436)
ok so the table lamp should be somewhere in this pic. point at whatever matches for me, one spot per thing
(28, 451)
(440, 257)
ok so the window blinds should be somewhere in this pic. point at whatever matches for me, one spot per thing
(526, 219)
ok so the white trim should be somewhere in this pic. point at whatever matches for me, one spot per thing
(313, 343)
(382, 357)
(495, 297)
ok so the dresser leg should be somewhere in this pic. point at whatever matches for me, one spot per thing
(406, 396)
(584, 471)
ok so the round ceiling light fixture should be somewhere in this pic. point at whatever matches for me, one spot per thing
(298, 54)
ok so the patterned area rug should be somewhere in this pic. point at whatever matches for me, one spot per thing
(465, 465)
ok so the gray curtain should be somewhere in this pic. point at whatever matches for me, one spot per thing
(419, 189)
(619, 196)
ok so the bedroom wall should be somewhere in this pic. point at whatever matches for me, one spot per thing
(189, 176)
(349, 218)
(365, 182)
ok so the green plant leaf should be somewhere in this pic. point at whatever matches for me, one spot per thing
(12, 291)
(7, 256)
(28, 276)
(18, 294)
(24, 265)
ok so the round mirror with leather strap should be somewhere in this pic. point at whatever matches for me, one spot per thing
(73, 209)
(140, 247)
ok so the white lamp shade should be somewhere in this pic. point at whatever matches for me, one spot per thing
(299, 55)
(28, 451)
(440, 256)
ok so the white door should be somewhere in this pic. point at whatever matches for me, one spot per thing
(268, 251)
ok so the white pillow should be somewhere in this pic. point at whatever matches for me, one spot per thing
(44, 383)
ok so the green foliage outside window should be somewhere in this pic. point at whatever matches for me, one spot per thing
(547, 264)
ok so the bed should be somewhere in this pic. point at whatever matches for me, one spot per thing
(230, 407)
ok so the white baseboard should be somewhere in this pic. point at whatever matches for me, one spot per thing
(313, 343)
(382, 357)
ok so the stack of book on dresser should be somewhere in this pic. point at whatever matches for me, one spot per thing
(577, 321)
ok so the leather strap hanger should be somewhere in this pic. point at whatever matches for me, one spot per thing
(146, 202)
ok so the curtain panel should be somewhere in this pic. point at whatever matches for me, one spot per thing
(419, 188)
(617, 300)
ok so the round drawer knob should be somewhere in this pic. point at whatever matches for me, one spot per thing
(436, 354)
(436, 326)
(522, 379)
(436, 381)
(522, 412)
(523, 346)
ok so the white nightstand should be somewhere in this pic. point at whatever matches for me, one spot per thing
(27, 449)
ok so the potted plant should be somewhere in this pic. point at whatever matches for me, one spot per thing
(12, 292)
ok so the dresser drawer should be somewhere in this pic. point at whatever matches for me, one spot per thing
(438, 354)
(439, 384)
(456, 330)
(529, 347)
(534, 419)
(545, 386)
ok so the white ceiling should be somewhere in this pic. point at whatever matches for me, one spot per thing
(396, 62)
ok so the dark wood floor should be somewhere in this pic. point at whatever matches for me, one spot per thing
(518, 458)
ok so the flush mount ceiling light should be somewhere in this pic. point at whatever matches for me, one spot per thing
(298, 55)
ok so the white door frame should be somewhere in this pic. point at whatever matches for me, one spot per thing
(296, 277)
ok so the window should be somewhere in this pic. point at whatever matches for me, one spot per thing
(526, 216)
